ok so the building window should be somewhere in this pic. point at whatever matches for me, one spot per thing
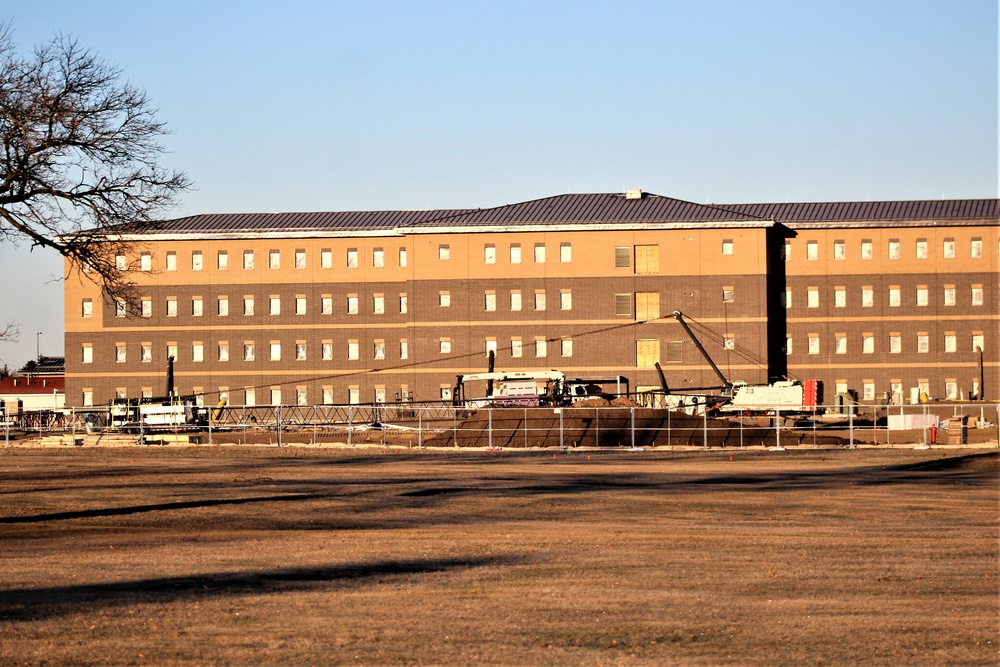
(565, 300)
(728, 295)
(378, 258)
(894, 297)
(623, 257)
(444, 251)
(866, 249)
(120, 308)
(404, 349)
(647, 306)
(171, 307)
(88, 398)
(444, 299)
(445, 392)
(197, 352)
(515, 253)
(172, 350)
(813, 344)
(197, 307)
(812, 250)
(490, 254)
(444, 345)
(978, 342)
(275, 350)
(378, 304)
(623, 305)
(566, 347)
(88, 354)
(893, 248)
(146, 353)
(675, 352)
(867, 297)
(222, 260)
(565, 253)
(301, 397)
(539, 299)
(491, 346)
(146, 306)
(812, 300)
(274, 305)
(840, 297)
(249, 351)
(949, 295)
(326, 350)
(250, 396)
(353, 350)
(120, 353)
(352, 258)
(326, 258)
(727, 246)
(248, 260)
(788, 345)
(541, 347)
(300, 350)
(145, 262)
(121, 263)
(223, 351)
(539, 253)
(248, 305)
(223, 306)
(352, 304)
(197, 263)
(922, 295)
(515, 347)
(976, 248)
(868, 390)
(647, 259)
(728, 342)
(839, 250)
(275, 396)
(326, 304)
(950, 342)
(786, 297)
(647, 353)
(402, 257)
(921, 248)
(171, 260)
(841, 343)
(786, 251)
(274, 259)
(923, 343)
(867, 343)
(948, 248)
(403, 304)
(491, 301)
(895, 343)
(977, 295)
(515, 300)
(299, 259)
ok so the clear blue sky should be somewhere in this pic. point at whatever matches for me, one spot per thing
(343, 105)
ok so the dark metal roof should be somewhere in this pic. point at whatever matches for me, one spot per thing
(874, 211)
(595, 209)
(581, 209)
(295, 222)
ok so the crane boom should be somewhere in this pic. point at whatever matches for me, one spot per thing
(679, 316)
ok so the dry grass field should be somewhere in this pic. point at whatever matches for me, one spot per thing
(266, 556)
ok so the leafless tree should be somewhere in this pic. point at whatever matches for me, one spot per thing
(9, 333)
(79, 169)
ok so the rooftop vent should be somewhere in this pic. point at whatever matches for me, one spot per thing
(633, 193)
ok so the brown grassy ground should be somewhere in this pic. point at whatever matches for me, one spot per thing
(299, 557)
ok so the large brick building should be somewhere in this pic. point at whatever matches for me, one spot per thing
(883, 298)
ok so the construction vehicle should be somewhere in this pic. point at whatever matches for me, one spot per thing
(786, 396)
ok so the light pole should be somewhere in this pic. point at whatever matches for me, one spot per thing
(38, 354)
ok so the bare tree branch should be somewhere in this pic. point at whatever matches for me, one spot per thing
(79, 158)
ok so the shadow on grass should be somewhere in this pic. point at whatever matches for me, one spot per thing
(93, 599)
(158, 507)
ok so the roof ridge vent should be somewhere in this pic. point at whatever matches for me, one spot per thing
(634, 193)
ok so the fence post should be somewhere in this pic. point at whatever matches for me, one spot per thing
(526, 428)
(704, 428)
(350, 426)
(632, 425)
(489, 427)
(454, 425)
(277, 421)
(420, 428)
(597, 427)
(741, 431)
(670, 442)
(561, 445)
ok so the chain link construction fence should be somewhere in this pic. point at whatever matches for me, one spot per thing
(445, 425)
